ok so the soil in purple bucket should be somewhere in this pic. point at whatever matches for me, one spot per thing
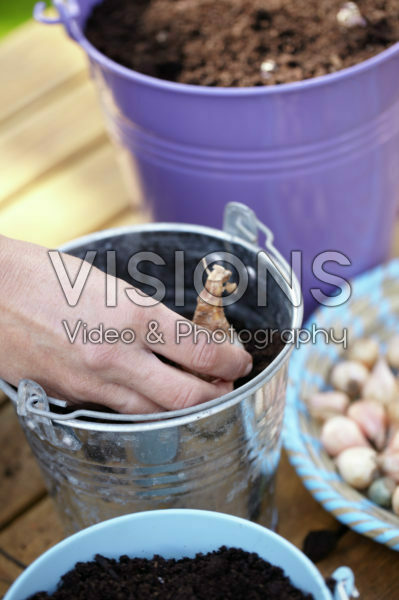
(226, 574)
(242, 42)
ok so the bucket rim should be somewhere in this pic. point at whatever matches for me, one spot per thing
(195, 413)
(251, 91)
(208, 516)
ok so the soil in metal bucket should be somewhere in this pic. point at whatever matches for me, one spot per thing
(238, 43)
(226, 574)
(264, 345)
(262, 354)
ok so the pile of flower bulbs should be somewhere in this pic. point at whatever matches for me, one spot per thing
(360, 419)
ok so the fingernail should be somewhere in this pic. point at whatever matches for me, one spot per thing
(249, 368)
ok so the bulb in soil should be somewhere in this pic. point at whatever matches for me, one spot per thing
(209, 312)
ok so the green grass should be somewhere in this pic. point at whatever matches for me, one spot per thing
(13, 13)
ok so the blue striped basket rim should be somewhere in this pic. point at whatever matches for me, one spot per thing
(372, 309)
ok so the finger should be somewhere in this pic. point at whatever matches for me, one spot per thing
(125, 400)
(170, 387)
(117, 397)
(128, 401)
(197, 352)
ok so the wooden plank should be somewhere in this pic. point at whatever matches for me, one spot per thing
(291, 498)
(129, 216)
(21, 482)
(80, 198)
(9, 571)
(28, 537)
(3, 398)
(34, 61)
(374, 565)
(40, 142)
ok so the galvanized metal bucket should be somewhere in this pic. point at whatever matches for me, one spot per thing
(219, 456)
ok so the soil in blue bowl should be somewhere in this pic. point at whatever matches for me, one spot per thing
(226, 574)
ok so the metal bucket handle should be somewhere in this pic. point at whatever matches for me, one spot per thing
(30, 391)
(33, 402)
(241, 221)
(31, 395)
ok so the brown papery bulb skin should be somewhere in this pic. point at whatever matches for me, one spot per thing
(349, 377)
(209, 312)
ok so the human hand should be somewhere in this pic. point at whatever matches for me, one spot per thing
(128, 378)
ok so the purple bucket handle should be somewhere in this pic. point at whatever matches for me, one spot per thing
(68, 12)
(316, 159)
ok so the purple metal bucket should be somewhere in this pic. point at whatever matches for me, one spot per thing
(317, 160)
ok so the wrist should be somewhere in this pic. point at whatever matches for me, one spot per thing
(14, 262)
(6, 262)
(3, 245)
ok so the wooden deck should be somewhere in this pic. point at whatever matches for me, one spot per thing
(59, 179)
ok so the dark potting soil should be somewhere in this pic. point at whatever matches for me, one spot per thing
(320, 543)
(262, 355)
(263, 345)
(240, 42)
(227, 574)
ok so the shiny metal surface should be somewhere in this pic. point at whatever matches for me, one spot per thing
(220, 456)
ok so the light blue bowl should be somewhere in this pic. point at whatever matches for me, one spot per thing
(373, 311)
(172, 534)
